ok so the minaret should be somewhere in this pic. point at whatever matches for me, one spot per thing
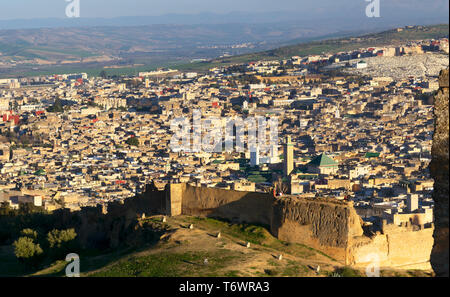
(288, 162)
(167, 167)
(337, 113)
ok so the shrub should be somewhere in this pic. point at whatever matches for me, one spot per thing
(27, 251)
(60, 238)
(61, 242)
(348, 272)
(133, 141)
(30, 233)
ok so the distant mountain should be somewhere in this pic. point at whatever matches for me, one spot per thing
(143, 43)
(333, 45)
(44, 49)
(134, 43)
(343, 15)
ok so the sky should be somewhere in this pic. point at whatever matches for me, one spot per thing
(33, 9)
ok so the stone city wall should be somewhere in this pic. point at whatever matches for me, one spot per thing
(328, 225)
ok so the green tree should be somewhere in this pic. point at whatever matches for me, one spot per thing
(30, 233)
(61, 243)
(27, 251)
(29, 208)
(60, 238)
(132, 141)
(5, 209)
(56, 107)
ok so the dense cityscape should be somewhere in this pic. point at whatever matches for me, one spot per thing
(372, 135)
(354, 127)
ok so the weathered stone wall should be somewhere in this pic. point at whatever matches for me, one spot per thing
(118, 224)
(174, 197)
(399, 248)
(235, 206)
(439, 168)
(410, 249)
(114, 225)
(327, 225)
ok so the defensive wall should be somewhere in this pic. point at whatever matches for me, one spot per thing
(439, 169)
(328, 225)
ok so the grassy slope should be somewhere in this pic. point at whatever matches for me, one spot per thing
(182, 251)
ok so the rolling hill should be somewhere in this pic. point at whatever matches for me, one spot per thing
(129, 50)
(182, 251)
(390, 37)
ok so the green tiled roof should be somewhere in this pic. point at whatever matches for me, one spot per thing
(372, 155)
(40, 172)
(322, 160)
(299, 170)
(302, 175)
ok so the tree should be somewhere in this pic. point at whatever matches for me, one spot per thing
(132, 141)
(30, 233)
(135, 83)
(27, 251)
(29, 208)
(103, 74)
(281, 186)
(61, 242)
(5, 209)
(60, 238)
(237, 108)
(56, 107)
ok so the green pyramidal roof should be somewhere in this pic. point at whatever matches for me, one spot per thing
(322, 160)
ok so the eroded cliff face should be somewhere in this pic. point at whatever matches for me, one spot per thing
(439, 168)
(325, 224)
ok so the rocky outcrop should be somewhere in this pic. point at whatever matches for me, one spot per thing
(439, 168)
(324, 224)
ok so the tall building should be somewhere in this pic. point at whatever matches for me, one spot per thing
(288, 162)
(337, 114)
(412, 202)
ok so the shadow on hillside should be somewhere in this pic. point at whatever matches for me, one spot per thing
(90, 262)
(252, 208)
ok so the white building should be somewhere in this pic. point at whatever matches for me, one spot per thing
(361, 65)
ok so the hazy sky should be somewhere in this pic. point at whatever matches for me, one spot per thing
(26, 9)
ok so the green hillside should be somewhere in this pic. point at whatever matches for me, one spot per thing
(182, 251)
(330, 46)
